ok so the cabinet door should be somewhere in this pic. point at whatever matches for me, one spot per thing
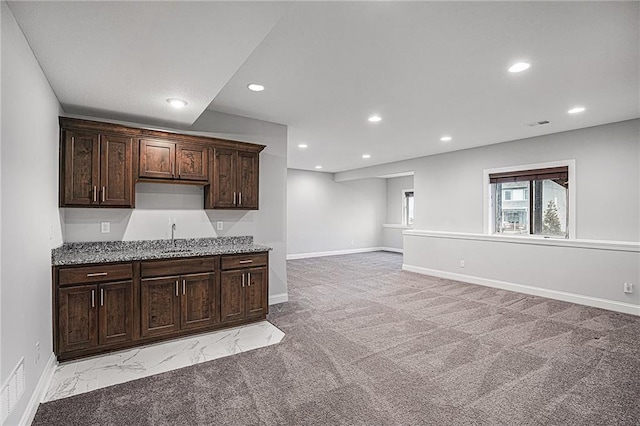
(160, 306)
(115, 171)
(257, 304)
(77, 316)
(198, 301)
(81, 169)
(116, 312)
(224, 178)
(247, 180)
(232, 296)
(191, 162)
(157, 159)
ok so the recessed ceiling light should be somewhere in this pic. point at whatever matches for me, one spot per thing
(256, 87)
(318, 167)
(576, 110)
(446, 138)
(374, 118)
(302, 145)
(366, 156)
(519, 67)
(177, 103)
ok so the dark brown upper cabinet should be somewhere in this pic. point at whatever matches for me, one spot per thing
(95, 170)
(101, 162)
(234, 180)
(173, 160)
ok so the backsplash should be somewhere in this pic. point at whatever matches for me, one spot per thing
(157, 206)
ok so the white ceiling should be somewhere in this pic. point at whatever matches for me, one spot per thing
(428, 68)
(125, 59)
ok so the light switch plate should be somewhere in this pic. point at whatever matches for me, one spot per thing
(219, 225)
(105, 227)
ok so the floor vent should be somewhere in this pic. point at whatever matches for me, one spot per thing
(12, 390)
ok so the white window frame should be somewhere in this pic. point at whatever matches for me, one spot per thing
(489, 196)
(405, 222)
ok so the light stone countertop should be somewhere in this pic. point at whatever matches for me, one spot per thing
(126, 251)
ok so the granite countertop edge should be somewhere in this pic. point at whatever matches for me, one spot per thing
(94, 253)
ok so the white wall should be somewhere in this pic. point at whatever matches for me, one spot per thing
(327, 216)
(449, 198)
(29, 153)
(607, 174)
(157, 204)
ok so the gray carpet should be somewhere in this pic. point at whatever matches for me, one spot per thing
(368, 344)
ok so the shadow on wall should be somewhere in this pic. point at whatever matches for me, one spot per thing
(157, 207)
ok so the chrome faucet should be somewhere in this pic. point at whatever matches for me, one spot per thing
(173, 231)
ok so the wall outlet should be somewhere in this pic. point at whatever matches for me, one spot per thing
(37, 352)
(462, 263)
(105, 227)
(219, 225)
(628, 288)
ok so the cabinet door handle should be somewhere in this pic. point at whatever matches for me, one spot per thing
(95, 194)
(249, 279)
(93, 298)
(102, 297)
(103, 194)
(97, 274)
(184, 286)
(240, 198)
(234, 198)
(245, 261)
(177, 291)
(173, 169)
(243, 280)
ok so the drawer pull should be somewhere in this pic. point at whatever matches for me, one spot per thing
(245, 261)
(98, 274)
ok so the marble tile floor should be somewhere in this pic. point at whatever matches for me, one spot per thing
(85, 375)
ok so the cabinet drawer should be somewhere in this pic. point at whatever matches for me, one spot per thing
(95, 274)
(163, 268)
(244, 260)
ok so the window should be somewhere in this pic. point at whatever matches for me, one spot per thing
(407, 207)
(531, 202)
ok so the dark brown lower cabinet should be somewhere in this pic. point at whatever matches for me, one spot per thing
(160, 306)
(198, 301)
(101, 308)
(170, 304)
(243, 294)
(77, 318)
(89, 315)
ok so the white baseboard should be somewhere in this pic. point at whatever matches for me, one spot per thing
(40, 392)
(391, 249)
(339, 252)
(278, 298)
(596, 302)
